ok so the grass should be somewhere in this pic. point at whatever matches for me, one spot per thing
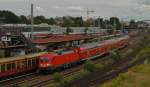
(137, 76)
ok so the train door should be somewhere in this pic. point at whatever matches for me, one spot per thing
(22, 65)
(29, 63)
(8, 66)
(34, 62)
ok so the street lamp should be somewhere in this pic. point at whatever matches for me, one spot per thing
(115, 25)
(99, 25)
(106, 23)
(32, 21)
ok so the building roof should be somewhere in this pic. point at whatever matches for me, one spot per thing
(64, 38)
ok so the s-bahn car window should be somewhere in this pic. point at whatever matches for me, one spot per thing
(18, 64)
(0, 67)
(29, 63)
(44, 59)
(9, 66)
(23, 64)
(3, 68)
(13, 65)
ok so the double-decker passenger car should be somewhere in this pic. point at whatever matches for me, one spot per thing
(52, 61)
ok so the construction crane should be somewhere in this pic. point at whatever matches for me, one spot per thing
(88, 12)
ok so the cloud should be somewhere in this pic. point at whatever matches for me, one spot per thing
(56, 7)
(75, 8)
(40, 9)
(21, 10)
(145, 2)
(103, 8)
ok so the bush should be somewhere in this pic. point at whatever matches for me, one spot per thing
(115, 55)
(26, 84)
(99, 66)
(57, 77)
(16, 85)
(89, 66)
(63, 83)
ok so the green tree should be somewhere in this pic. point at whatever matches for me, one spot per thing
(115, 22)
(40, 19)
(132, 23)
(78, 22)
(9, 17)
(115, 55)
(24, 20)
(51, 21)
(86, 30)
(68, 30)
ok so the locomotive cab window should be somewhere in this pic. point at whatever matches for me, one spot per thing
(44, 59)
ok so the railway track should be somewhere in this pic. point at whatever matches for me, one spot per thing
(37, 80)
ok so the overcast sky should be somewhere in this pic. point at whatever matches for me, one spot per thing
(126, 9)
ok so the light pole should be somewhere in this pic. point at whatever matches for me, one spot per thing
(99, 25)
(106, 23)
(122, 25)
(115, 25)
(32, 21)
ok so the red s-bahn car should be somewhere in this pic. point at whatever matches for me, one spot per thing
(18, 65)
(52, 61)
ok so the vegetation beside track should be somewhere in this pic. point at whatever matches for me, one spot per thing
(137, 76)
(122, 60)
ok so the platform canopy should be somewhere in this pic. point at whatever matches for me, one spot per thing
(63, 38)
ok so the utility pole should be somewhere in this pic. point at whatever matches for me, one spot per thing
(32, 21)
(106, 23)
(115, 24)
(88, 12)
(122, 25)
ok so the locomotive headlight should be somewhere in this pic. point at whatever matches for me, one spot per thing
(48, 64)
(41, 64)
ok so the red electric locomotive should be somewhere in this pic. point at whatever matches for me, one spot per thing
(51, 61)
